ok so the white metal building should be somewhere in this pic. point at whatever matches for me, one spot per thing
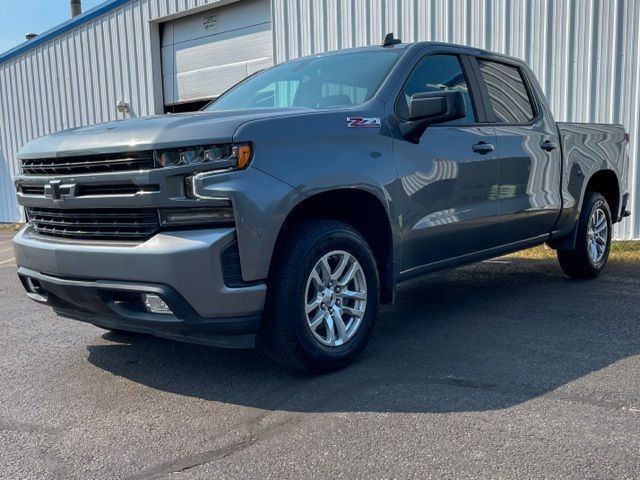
(164, 55)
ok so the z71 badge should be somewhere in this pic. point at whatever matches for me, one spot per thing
(363, 122)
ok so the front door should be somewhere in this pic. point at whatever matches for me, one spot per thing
(448, 181)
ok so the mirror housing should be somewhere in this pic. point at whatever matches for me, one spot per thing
(429, 109)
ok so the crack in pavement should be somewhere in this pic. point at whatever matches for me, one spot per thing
(293, 419)
(188, 462)
(21, 427)
(281, 396)
(554, 395)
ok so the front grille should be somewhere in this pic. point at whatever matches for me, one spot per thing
(116, 162)
(98, 224)
(32, 190)
(88, 190)
(124, 189)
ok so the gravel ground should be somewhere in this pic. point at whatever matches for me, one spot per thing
(499, 370)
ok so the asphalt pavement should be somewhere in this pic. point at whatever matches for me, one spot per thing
(6, 252)
(501, 370)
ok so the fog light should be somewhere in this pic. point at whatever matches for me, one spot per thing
(154, 304)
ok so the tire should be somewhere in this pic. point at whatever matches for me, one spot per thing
(583, 262)
(287, 332)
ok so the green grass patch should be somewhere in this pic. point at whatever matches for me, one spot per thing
(623, 251)
(10, 227)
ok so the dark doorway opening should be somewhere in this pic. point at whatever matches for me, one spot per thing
(186, 107)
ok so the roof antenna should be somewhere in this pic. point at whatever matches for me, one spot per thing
(389, 40)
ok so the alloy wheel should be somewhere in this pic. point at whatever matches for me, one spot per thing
(335, 298)
(597, 235)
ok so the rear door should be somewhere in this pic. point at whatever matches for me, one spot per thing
(528, 146)
(448, 181)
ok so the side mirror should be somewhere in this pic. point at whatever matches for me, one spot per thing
(431, 108)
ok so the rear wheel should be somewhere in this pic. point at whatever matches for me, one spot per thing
(593, 241)
(322, 297)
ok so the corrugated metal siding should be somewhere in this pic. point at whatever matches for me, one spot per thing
(77, 78)
(586, 53)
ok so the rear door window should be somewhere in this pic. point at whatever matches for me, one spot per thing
(508, 93)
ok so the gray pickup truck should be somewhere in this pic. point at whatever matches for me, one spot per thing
(286, 210)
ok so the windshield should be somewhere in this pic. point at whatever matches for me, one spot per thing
(339, 80)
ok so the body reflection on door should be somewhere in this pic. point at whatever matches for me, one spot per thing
(451, 194)
(530, 198)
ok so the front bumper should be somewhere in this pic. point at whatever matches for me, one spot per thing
(101, 284)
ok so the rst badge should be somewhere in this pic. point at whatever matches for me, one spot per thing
(363, 122)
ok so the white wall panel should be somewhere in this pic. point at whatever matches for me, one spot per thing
(586, 53)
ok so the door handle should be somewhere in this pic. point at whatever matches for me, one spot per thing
(483, 148)
(549, 146)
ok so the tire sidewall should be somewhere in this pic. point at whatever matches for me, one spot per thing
(351, 243)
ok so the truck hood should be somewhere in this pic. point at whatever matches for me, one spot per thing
(147, 133)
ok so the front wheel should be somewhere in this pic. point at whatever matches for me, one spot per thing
(322, 298)
(593, 241)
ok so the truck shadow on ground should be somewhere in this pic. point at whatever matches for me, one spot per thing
(483, 337)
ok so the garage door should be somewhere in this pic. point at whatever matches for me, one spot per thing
(206, 53)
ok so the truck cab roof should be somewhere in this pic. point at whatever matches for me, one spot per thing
(413, 46)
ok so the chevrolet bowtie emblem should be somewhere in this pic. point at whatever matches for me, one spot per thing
(56, 190)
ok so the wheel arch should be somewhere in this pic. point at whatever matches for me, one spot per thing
(604, 182)
(607, 184)
(366, 213)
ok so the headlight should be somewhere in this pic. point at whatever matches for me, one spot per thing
(218, 156)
